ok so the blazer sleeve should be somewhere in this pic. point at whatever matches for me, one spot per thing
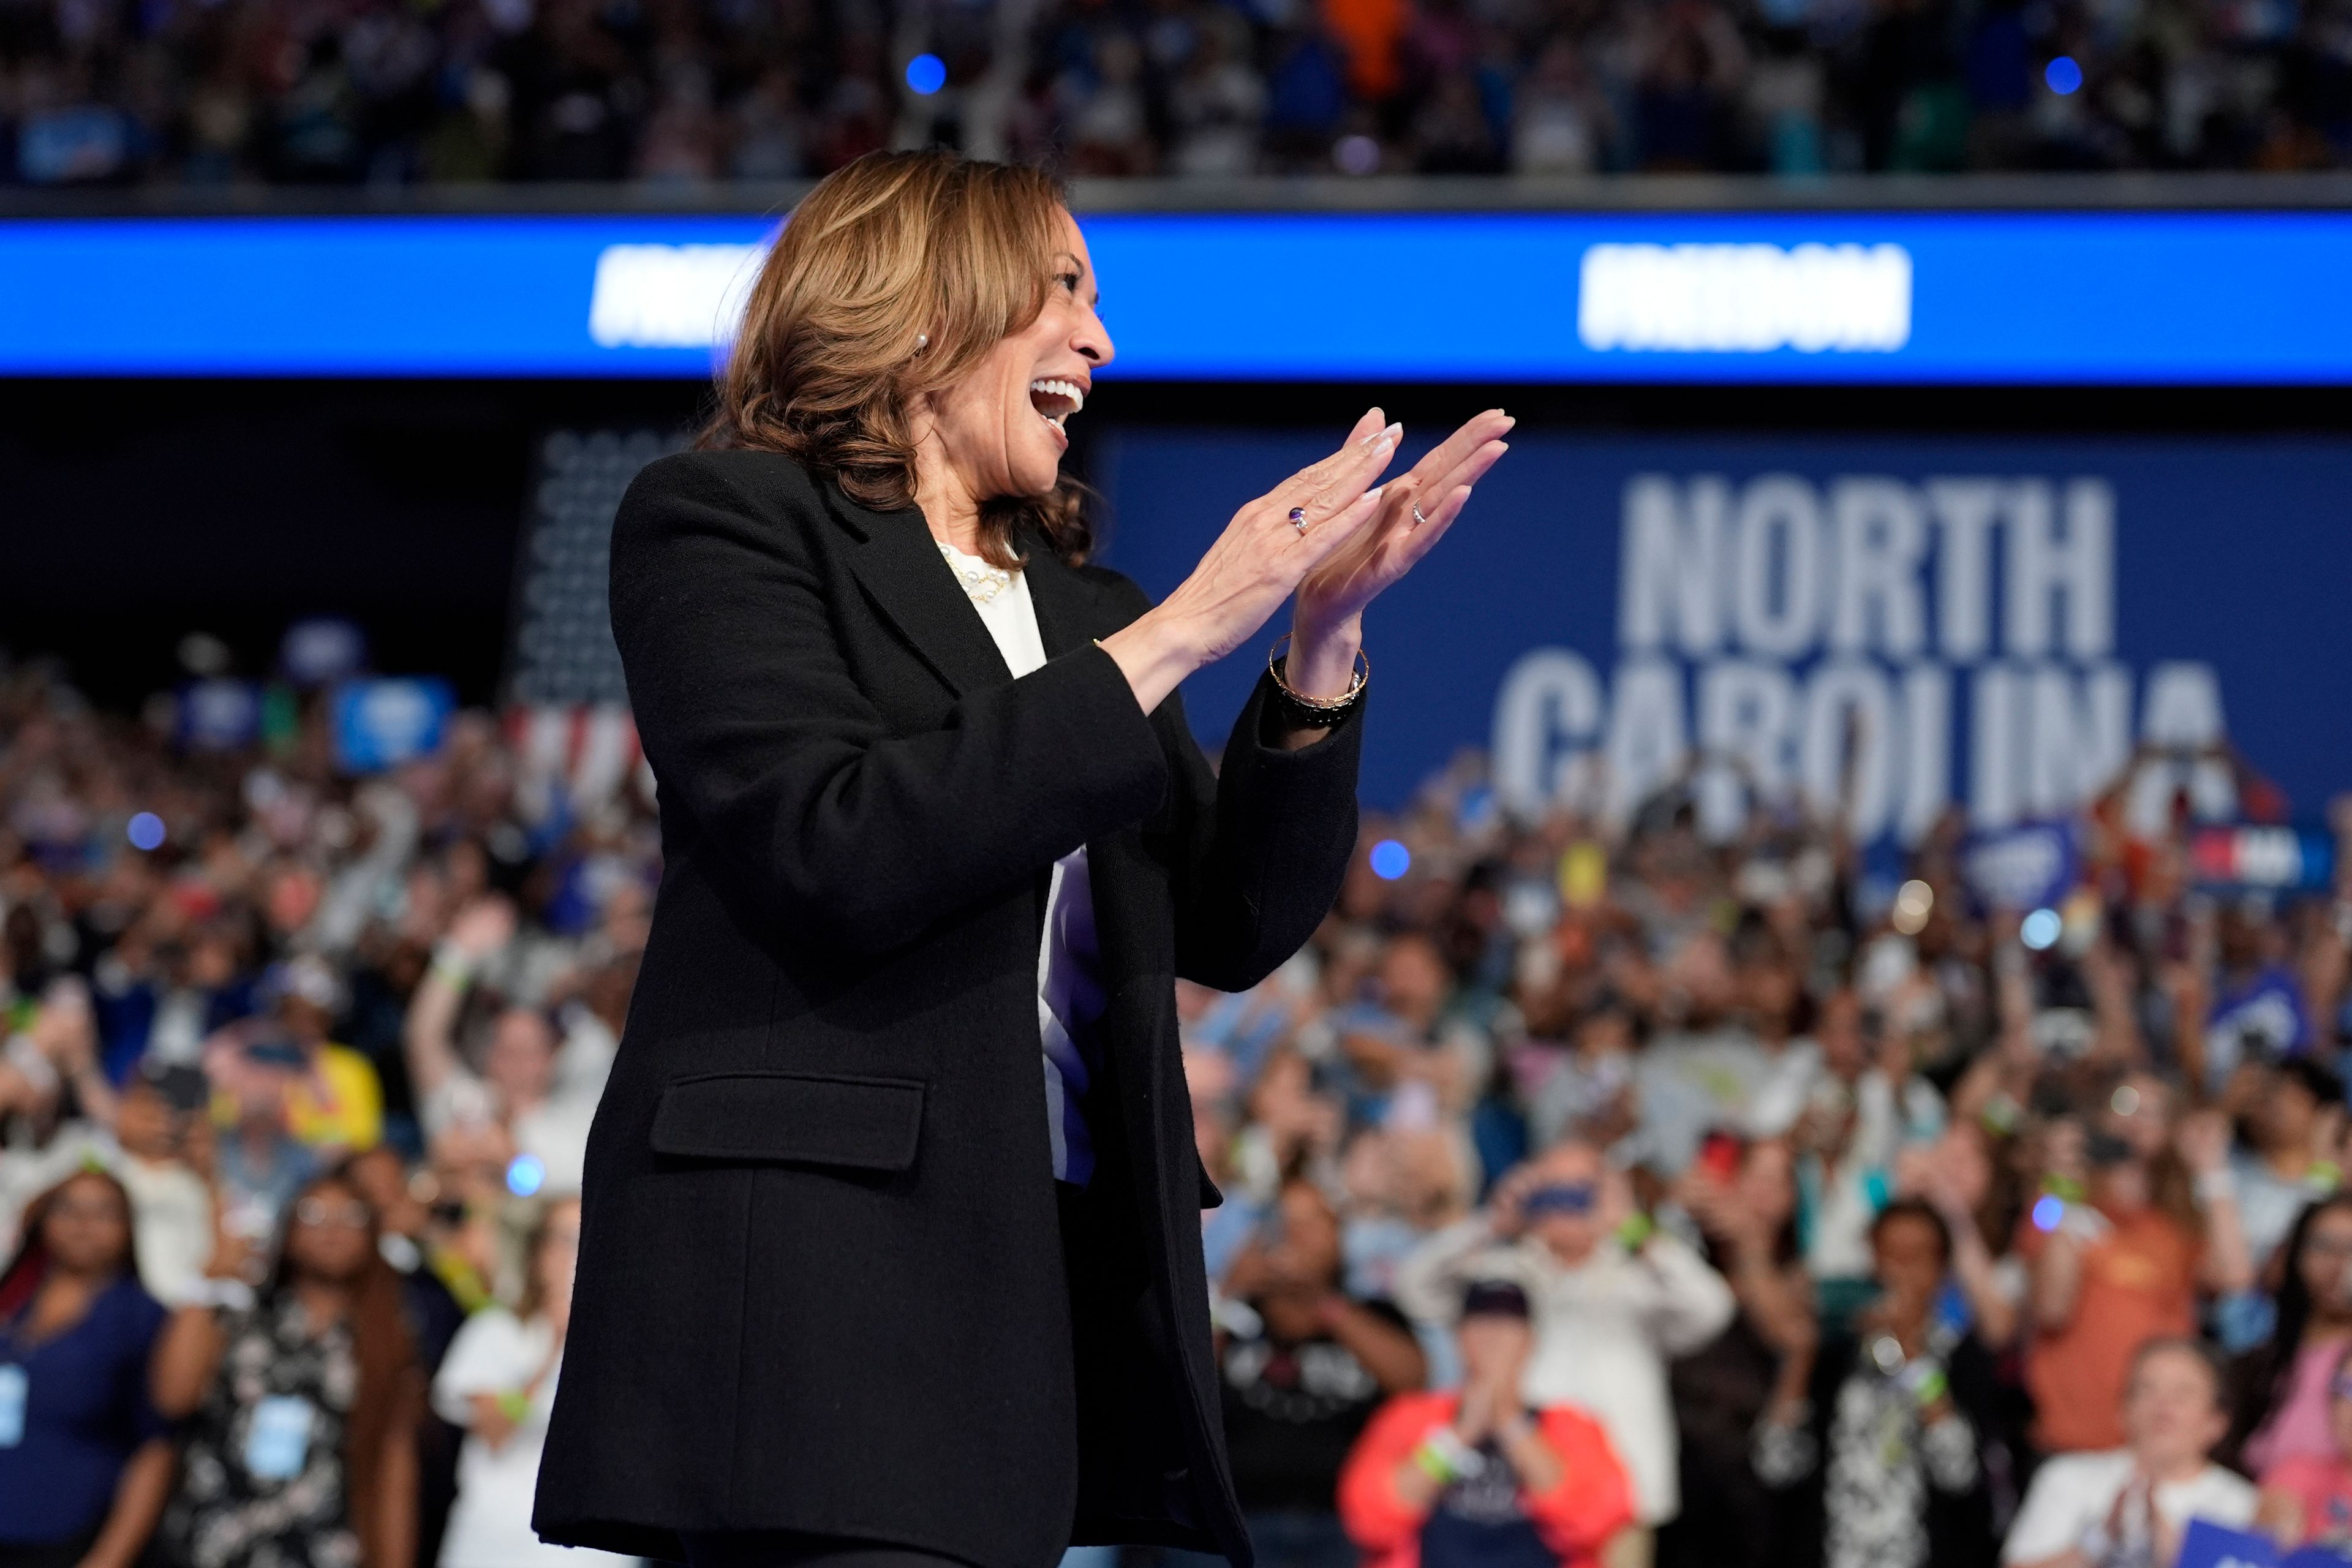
(1263, 840)
(843, 833)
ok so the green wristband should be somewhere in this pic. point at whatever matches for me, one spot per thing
(1638, 1229)
(514, 1405)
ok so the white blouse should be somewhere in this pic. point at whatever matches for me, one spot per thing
(1070, 997)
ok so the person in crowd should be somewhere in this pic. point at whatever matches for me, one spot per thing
(1882, 1427)
(258, 1164)
(85, 1458)
(301, 1409)
(162, 1126)
(497, 1383)
(1864, 1105)
(407, 1238)
(543, 1113)
(1746, 1212)
(2118, 1246)
(1614, 1296)
(1304, 1365)
(335, 1103)
(1400, 1042)
(1472, 1477)
(1589, 1092)
(2296, 1116)
(2133, 1504)
(2307, 1497)
(2282, 1387)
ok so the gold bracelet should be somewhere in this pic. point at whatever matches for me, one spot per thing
(1333, 706)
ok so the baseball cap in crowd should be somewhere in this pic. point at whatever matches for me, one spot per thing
(307, 977)
(1494, 1298)
(181, 1085)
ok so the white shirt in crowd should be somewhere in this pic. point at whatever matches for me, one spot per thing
(1604, 1333)
(555, 1131)
(1070, 984)
(2074, 1493)
(489, 1526)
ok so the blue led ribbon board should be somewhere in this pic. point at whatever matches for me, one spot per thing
(2091, 299)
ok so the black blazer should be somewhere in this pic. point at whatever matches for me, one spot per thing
(821, 1286)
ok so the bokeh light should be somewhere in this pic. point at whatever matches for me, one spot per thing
(145, 831)
(927, 74)
(1912, 902)
(526, 1174)
(2062, 75)
(2040, 929)
(1391, 859)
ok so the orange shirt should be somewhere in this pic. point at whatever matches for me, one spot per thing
(2139, 1283)
(1593, 1501)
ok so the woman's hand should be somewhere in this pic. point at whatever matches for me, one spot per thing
(1327, 623)
(1257, 563)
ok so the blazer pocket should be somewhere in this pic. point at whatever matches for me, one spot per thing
(865, 1123)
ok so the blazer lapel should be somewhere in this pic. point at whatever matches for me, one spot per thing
(900, 567)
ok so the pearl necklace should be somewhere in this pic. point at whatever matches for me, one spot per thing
(982, 583)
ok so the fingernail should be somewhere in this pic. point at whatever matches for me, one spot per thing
(1371, 438)
(1373, 495)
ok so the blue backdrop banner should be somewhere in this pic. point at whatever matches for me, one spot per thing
(2210, 298)
(1884, 626)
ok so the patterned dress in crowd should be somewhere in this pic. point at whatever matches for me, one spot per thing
(263, 1484)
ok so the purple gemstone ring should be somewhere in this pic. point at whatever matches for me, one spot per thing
(1299, 518)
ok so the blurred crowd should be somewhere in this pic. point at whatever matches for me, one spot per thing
(1593, 1191)
(390, 92)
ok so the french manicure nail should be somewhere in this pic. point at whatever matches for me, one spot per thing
(1373, 495)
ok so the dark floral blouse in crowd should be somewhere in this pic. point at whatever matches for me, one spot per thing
(263, 1484)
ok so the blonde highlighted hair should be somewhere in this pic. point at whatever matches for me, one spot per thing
(886, 252)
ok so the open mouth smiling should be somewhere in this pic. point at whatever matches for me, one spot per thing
(1056, 399)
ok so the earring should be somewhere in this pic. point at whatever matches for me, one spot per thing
(922, 341)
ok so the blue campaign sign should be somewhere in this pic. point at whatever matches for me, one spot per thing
(2212, 298)
(2029, 867)
(1887, 626)
(381, 723)
(2210, 1545)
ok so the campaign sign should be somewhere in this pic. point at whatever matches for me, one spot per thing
(322, 650)
(218, 714)
(2210, 1545)
(2265, 857)
(382, 723)
(2029, 867)
(1887, 629)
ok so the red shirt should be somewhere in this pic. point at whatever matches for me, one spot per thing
(1592, 1502)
